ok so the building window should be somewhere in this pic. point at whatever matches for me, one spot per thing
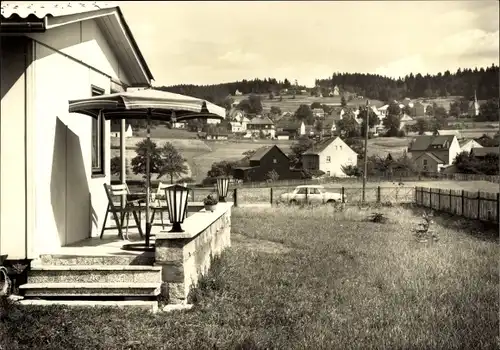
(98, 127)
(328, 159)
(425, 162)
(275, 161)
(327, 173)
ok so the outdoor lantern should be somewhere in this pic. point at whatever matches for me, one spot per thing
(222, 187)
(177, 202)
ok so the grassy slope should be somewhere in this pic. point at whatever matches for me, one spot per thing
(302, 279)
(290, 105)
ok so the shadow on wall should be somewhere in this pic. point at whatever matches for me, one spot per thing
(13, 50)
(69, 187)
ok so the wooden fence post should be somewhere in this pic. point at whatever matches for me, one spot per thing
(235, 197)
(463, 203)
(192, 195)
(498, 207)
(479, 205)
(430, 197)
(378, 194)
(343, 195)
(439, 199)
(416, 195)
(452, 211)
(271, 194)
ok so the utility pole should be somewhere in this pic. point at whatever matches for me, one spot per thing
(365, 158)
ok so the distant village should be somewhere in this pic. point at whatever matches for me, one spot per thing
(431, 151)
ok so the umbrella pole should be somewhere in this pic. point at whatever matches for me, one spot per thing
(148, 174)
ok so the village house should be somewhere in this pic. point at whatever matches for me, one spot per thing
(218, 135)
(283, 135)
(329, 156)
(262, 162)
(264, 125)
(432, 153)
(487, 141)
(467, 145)
(115, 130)
(52, 54)
(418, 109)
(318, 113)
(481, 152)
(288, 127)
(179, 125)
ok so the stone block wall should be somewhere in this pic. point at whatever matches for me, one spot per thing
(185, 256)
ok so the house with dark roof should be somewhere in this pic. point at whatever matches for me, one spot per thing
(263, 161)
(481, 152)
(431, 153)
(288, 127)
(487, 141)
(466, 145)
(264, 125)
(318, 113)
(329, 155)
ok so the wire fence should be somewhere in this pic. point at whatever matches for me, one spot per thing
(273, 195)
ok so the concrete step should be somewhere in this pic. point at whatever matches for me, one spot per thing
(146, 258)
(94, 274)
(147, 305)
(90, 289)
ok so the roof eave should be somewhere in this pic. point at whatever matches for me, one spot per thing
(52, 22)
(134, 45)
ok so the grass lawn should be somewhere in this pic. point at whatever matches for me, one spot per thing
(307, 279)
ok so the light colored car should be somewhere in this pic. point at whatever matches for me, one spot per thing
(311, 194)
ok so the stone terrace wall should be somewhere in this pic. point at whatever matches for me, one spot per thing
(185, 256)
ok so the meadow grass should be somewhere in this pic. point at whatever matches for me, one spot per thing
(307, 279)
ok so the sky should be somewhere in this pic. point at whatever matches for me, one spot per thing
(214, 42)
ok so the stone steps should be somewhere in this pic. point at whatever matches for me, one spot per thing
(94, 274)
(101, 290)
(147, 305)
(145, 259)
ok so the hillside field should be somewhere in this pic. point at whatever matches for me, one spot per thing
(288, 104)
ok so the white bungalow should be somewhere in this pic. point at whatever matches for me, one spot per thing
(53, 163)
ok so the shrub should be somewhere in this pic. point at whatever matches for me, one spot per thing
(186, 180)
(378, 218)
(211, 199)
(209, 181)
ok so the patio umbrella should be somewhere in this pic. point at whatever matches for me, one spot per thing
(149, 104)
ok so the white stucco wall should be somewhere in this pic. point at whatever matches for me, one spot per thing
(340, 155)
(85, 42)
(454, 150)
(69, 204)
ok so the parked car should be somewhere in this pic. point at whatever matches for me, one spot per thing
(311, 194)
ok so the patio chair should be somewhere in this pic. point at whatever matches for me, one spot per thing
(159, 203)
(115, 208)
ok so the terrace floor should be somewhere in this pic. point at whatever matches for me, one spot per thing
(111, 244)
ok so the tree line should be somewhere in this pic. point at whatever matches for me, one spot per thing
(464, 82)
(216, 93)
